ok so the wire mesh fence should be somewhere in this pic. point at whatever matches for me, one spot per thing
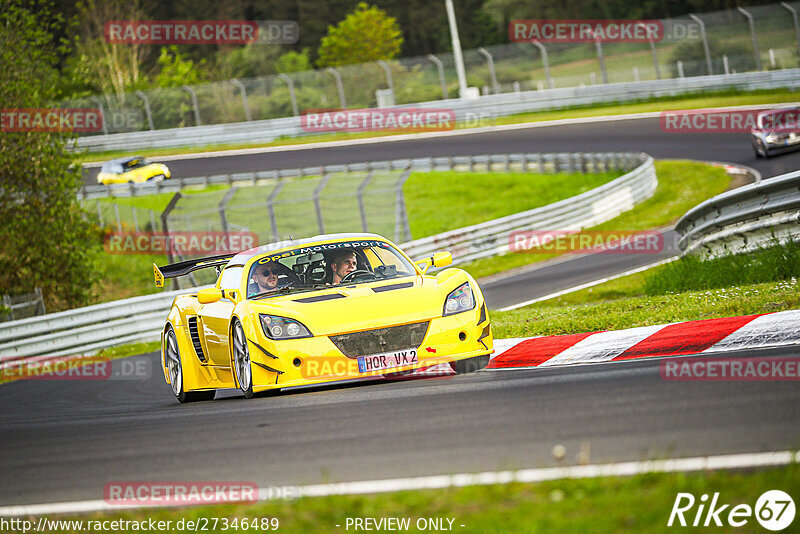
(758, 38)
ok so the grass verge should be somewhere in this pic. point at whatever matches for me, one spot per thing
(639, 503)
(693, 101)
(681, 186)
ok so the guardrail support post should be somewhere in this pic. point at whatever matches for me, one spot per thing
(752, 25)
(705, 42)
(243, 92)
(194, 104)
(402, 230)
(360, 194)
(438, 62)
(147, 112)
(292, 97)
(339, 86)
(793, 11)
(388, 72)
(490, 61)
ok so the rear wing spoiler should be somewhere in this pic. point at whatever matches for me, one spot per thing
(185, 267)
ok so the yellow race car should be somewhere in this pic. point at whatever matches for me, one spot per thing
(134, 169)
(319, 310)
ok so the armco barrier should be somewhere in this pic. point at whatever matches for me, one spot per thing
(494, 105)
(744, 219)
(91, 328)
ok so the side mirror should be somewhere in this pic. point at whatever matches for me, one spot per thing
(209, 295)
(440, 259)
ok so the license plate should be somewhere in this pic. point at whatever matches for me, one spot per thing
(387, 360)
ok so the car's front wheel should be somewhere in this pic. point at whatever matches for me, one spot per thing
(175, 370)
(470, 365)
(241, 360)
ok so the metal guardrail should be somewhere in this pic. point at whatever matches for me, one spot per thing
(744, 219)
(141, 318)
(492, 105)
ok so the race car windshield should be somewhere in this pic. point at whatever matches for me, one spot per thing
(136, 163)
(328, 265)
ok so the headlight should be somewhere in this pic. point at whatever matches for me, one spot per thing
(282, 328)
(459, 300)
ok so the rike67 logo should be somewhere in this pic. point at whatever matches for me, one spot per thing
(774, 510)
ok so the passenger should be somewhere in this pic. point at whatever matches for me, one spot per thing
(342, 263)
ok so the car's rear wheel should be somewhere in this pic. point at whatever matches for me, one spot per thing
(175, 371)
(241, 361)
(470, 365)
(157, 177)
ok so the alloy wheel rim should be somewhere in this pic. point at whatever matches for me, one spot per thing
(241, 357)
(174, 363)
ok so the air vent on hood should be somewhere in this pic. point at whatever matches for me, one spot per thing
(320, 298)
(391, 287)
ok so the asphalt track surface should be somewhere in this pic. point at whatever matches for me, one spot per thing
(64, 440)
(643, 135)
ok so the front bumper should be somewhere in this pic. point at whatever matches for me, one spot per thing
(297, 362)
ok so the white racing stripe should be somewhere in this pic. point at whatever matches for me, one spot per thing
(774, 329)
(602, 346)
(699, 463)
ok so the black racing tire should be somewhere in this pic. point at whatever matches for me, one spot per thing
(156, 176)
(470, 365)
(175, 369)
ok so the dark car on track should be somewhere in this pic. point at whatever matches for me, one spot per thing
(776, 131)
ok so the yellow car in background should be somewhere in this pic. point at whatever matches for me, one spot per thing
(134, 169)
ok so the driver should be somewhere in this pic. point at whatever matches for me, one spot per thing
(342, 263)
(266, 276)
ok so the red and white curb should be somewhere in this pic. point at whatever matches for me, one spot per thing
(674, 339)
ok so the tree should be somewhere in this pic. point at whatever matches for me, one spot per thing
(293, 62)
(46, 242)
(366, 34)
(176, 69)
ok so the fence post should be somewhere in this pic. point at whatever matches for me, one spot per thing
(652, 50)
(360, 194)
(40, 306)
(602, 60)
(99, 103)
(292, 98)
(680, 69)
(153, 227)
(194, 104)
(221, 208)
(273, 221)
(116, 214)
(705, 42)
(545, 62)
(147, 112)
(492, 74)
(317, 191)
(438, 62)
(165, 229)
(339, 86)
(725, 64)
(401, 216)
(793, 11)
(135, 218)
(99, 214)
(243, 92)
(388, 72)
(752, 25)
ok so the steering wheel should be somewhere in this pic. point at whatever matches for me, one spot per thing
(352, 274)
